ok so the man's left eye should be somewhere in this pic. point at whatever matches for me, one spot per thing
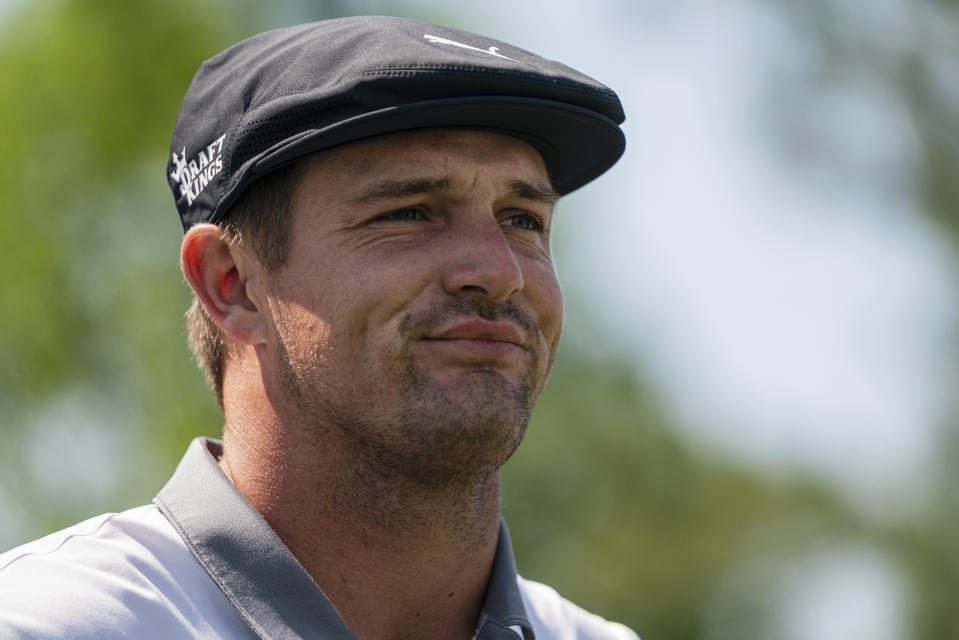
(525, 221)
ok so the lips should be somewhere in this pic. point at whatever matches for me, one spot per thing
(482, 331)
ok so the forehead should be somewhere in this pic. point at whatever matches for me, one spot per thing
(450, 155)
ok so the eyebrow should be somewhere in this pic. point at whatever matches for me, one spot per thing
(393, 189)
(529, 191)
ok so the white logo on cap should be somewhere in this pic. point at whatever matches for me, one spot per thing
(493, 51)
(194, 175)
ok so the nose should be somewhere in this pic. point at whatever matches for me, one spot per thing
(481, 263)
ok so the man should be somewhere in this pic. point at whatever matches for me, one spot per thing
(367, 206)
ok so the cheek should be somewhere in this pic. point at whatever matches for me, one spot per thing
(546, 298)
(323, 299)
(301, 331)
(365, 315)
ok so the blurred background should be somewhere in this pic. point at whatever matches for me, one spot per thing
(752, 425)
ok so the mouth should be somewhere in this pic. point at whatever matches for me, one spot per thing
(479, 339)
(479, 330)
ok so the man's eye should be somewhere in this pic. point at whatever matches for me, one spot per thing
(525, 221)
(403, 215)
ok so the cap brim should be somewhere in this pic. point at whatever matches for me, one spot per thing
(577, 145)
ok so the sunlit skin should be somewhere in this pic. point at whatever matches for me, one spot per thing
(392, 238)
(380, 378)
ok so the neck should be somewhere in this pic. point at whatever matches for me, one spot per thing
(398, 558)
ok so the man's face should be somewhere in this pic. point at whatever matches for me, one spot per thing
(419, 312)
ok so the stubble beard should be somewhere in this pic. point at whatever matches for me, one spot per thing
(432, 437)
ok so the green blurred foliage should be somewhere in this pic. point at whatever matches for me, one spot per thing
(91, 327)
(610, 507)
(605, 501)
(907, 54)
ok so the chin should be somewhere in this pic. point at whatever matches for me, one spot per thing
(465, 431)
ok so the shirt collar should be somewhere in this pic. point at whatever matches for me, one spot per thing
(504, 606)
(264, 581)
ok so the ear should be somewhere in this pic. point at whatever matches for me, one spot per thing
(220, 274)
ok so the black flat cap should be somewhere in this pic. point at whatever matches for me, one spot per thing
(287, 93)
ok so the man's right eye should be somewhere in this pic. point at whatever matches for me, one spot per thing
(408, 214)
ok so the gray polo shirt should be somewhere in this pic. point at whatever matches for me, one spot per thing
(202, 563)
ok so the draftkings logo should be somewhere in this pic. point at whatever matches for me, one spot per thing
(194, 175)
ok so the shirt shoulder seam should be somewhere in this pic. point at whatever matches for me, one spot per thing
(64, 541)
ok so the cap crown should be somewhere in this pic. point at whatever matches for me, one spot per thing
(286, 93)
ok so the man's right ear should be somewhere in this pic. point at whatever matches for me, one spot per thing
(219, 272)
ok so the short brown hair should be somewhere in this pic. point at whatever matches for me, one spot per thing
(259, 220)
